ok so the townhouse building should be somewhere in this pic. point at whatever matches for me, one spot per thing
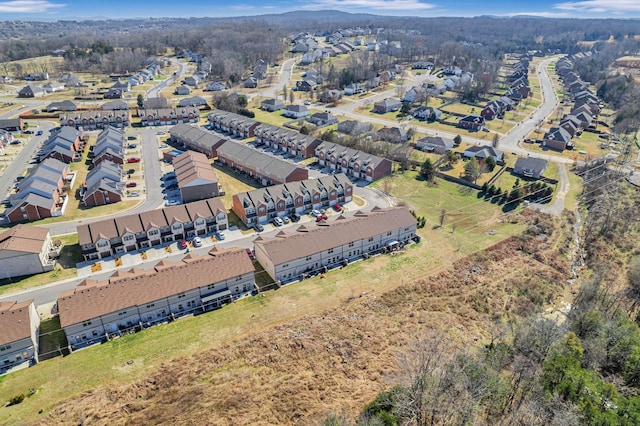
(235, 125)
(263, 204)
(352, 162)
(196, 139)
(196, 179)
(315, 248)
(19, 333)
(96, 311)
(286, 140)
(116, 236)
(265, 168)
(169, 116)
(25, 250)
(96, 119)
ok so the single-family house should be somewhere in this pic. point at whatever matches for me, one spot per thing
(322, 119)
(182, 90)
(250, 83)
(215, 86)
(65, 105)
(392, 134)
(435, 144)
(31, 91)
(427, 113)
(387, 105)
(353, 127)
(194, 101)
(471, 122)
(12, 124)
(557, 138)
(483, 152)
(530, 167)
(354, 89)
(271, 105)
(53, 87)
(295, 111)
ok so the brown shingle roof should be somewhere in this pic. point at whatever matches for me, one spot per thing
(15, 323)
(24, 238)
(92, 299)
(309, 240)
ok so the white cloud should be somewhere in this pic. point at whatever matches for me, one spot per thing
(541, 14)
(600, 6)
(28, 6)
(408, 5)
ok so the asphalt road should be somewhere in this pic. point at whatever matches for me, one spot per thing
(21, 161)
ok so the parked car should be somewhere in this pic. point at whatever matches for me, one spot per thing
(160, 133)
(182, 244)
(132, 138)
(134, 194)
(286, 219)
(133, 145)
(172, 203)
(295, 217)
(337, 207)
(277, 221)
(131, 171)
(197, 242)
(164, 145)
(321, 217)
(307, 103)
(250, 253)
(131, 185)
(133, 160)
(315, 213)
(39, 133)
(258, 227)
(169, 176)
(171, 187)
(323, 210)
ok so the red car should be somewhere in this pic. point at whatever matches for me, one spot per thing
(321, 217)
(250, 254)
(337, 207)
(133, 160)
(131, 185)
(182, 244)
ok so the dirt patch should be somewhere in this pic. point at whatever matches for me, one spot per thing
(296, 373)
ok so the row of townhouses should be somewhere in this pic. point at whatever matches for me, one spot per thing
(97, 119)
(112, 237)
(96, 311)
(197, 139)
(43, 193)
(352, 162)
(169, 116)
(235, 125)
(286, 140)
(312, 249)
(263, 204)
(130, 301)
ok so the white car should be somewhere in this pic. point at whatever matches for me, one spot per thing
(134, 194)
(221, 235)
(160, 133)
(197, 242)
(172, 203)
(316, 213)
(278, 221)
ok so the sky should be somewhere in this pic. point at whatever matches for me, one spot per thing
(92, 9)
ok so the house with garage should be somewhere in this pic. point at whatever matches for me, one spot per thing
(25, 250)
(263, 204)
(472, 123)
(215, 86)
(530, 167)
(271, 105)
(387, 105)
(354, 89)
(352, 162)
(19, 335)
(116, 236)
(557, 138)
(115, 106)
(322, 119)
(197, 139)
(427, 113)
(66, 105)
(295, 111)
(482, 152)
(31, 91)
(435, 144)
(315, 248)
(392, 134)
(195, 176)
(143, 298)
(353, 127)
(265, 168)
(194, 101)
(12, 124)
(53, 87)
(182, 90)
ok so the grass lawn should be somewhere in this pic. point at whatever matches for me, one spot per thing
(274, 118)
(233, 183)
(132, 357)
